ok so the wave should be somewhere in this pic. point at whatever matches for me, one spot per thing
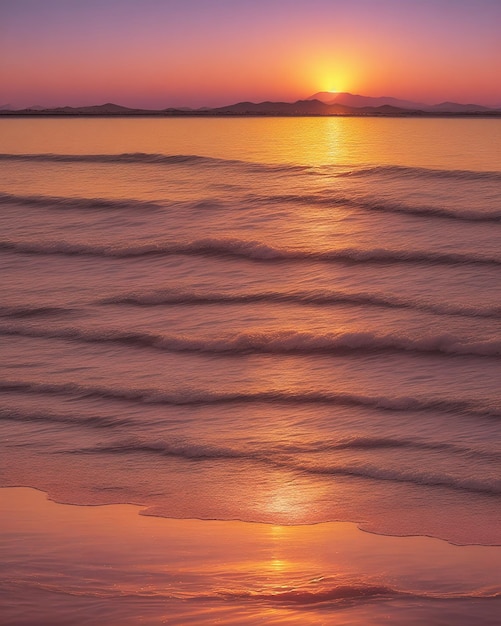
(343, 593)
(280, 452)
(125, 157)
(146, 158)
(357, 442)
(195, 159)
(79, 203)
(64, 202)
(272, 342)
(321, 590)
(414, 172)
(323, 197)
(96, 421)
(340, 593)
(23, 311)
(200, 452)
(191, 396)
(247, 249)
(375, 204)
(166, 297)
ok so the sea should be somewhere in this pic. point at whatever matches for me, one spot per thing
(277, 321)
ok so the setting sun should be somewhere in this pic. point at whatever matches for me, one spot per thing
(250, 325)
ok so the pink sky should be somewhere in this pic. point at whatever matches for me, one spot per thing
(159, 53)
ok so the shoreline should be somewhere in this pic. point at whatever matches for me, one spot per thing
(61, 559)
(142, 510)
(231, 115)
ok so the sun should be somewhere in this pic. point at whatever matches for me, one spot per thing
(334, 79)
(333, 85)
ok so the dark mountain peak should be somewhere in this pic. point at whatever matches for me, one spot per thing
(357, 101)
(456, 107)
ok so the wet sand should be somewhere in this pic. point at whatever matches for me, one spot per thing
(66, 564)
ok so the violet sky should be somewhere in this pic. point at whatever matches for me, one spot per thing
(159, 53)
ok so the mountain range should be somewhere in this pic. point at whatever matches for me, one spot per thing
(319, 104)
(352, 100)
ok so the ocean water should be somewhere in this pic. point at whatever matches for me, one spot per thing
(288, 321)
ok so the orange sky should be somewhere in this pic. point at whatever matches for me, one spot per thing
(156, 53)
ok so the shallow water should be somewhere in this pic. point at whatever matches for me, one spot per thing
(109, 565)
(287, 321)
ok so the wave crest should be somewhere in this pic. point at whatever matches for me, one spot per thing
(283, 459)
(148, 158)
(191, 396)
(23, 311)
(329, 199)
(274, 342)
(125, 157)
(414, 172)
(179, 296)
(65, 202)
(248, 249)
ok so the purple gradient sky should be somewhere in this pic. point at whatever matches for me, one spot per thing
(159, 53)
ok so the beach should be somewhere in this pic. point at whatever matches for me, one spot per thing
(107, 564)
(250, 371)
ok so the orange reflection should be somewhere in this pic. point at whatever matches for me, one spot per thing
(235, 572)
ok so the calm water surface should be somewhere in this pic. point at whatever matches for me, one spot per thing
(287, 321)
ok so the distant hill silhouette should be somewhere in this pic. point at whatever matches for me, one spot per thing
(455, 107)
(325, 104)
(301, 107)
(108, 109)
(353, 100)
(357, 101)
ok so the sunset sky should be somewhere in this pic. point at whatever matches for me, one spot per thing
(159, 53)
